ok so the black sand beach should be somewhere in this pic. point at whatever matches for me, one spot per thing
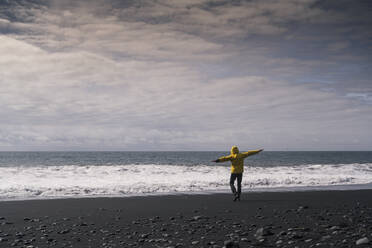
(290, 219)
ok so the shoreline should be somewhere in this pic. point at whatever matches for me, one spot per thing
(264, 219)
(344, 187)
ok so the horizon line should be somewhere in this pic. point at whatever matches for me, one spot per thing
(179, 150)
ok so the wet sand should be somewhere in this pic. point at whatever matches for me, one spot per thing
(289, 219)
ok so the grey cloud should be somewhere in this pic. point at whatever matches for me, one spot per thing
(4, 22)
(108, 36)
(158, 112)
(180, 75)
(338, 46)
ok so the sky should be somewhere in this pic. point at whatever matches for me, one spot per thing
(185, 75)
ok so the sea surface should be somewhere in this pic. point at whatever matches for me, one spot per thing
(46, 175)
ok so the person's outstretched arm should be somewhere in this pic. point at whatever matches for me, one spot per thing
(222, 159)
(252, 152)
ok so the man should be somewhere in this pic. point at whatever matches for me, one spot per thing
(237, 168)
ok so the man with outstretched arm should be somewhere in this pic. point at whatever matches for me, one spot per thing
(237, 167)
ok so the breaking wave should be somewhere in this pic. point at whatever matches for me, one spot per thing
(44, 182)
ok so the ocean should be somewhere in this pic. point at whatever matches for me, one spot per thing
(46, 175)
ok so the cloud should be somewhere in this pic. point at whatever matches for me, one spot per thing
(367, 97)
(79, 29)
(4, 22)
(178, 75)
(337, 46)
(83, 100)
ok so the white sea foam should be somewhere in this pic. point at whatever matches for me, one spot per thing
(42, 182)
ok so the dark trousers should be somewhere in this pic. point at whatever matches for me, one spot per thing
(234, 176)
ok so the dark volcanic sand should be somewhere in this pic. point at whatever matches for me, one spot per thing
(292, 219)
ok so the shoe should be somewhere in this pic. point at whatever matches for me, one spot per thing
(236, 197)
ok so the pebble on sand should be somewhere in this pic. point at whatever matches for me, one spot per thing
(231, 244)
(362, 241)
(263, 231)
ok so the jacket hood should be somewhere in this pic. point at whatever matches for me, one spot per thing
(234, 150)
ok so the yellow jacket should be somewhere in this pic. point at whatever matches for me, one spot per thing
(237, 159)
